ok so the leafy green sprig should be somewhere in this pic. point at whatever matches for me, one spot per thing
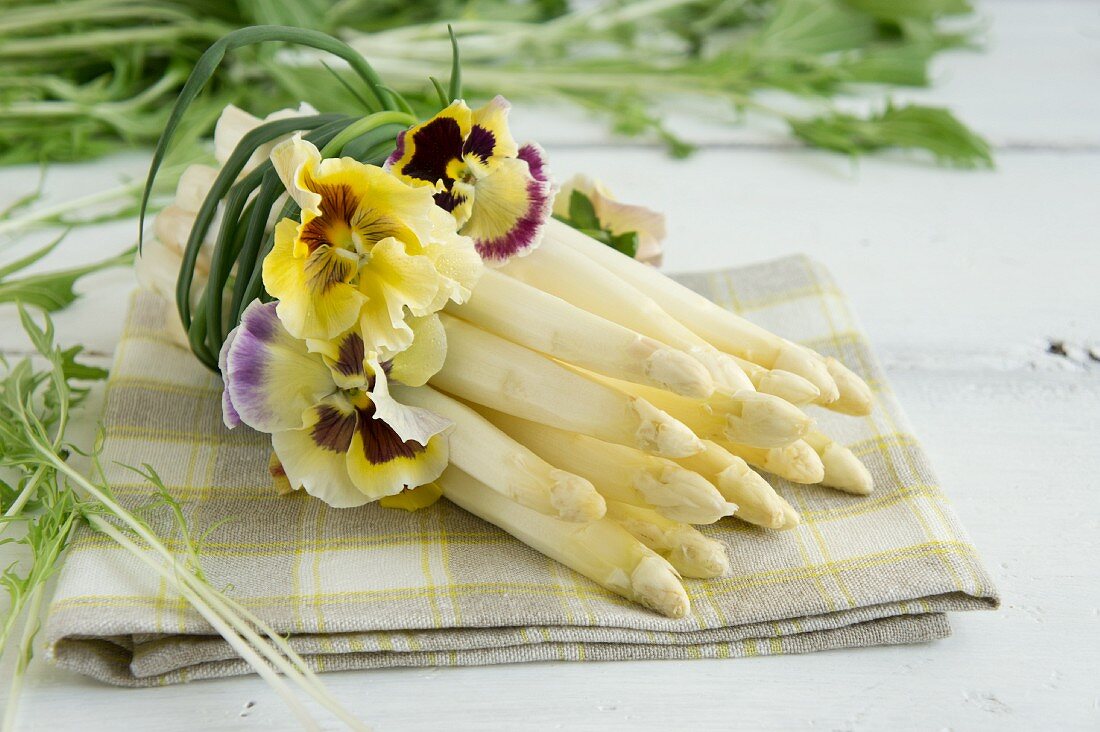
(95, 75)
(49, 498)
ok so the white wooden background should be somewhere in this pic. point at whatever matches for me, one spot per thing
(962, 279)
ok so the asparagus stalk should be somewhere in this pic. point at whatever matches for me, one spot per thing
(725, 330)
(579, 280)
(556, 328)
(492, 457)
(843, 470)
(747, 417)
(757, 502)
(783, 384)
(686, 549)
(622, 473)
(485, 369)
(601, 550)
(797, 462)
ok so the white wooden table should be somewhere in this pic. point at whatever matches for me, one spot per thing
(963, 280)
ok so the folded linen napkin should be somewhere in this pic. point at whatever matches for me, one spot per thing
(373, 587)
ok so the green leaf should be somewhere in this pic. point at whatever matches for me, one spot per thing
(627, 243)
(582, 214)
(894, 10)
(814, 27)
(912, 127)
(24, 262)
(73, 369)
(53, 291)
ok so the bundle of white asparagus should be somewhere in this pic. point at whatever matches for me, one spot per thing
(600, 409)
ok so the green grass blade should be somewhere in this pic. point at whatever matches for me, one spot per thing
(455, 87)
(213, 56)
(226, 178)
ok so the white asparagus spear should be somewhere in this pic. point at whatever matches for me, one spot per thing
(579, 280)
(718, 326)
(856, 397)
(746, 417)
(601, 550)
(621, 473)
(843, 470)
(783, 384)
(484, 452)
(757, 502)
(486, 369)
(685, 548)
(542, 322)
(797, 462)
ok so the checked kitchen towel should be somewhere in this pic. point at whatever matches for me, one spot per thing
(374, 587)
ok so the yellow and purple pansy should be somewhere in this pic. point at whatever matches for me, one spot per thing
(368, 251)
(337, 431)
(499, 193)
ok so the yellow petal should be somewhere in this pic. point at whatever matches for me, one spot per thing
(294, 161)
(413, 499)
(315, 457)
(425, 151)
(379, 464)
(315, 299)
(425, 356)
(489, 134)
(344, 356)
(392, 281)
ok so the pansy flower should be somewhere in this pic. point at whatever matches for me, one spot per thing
(499, 193)
(616, 217)
(337, 431)
(368, 251)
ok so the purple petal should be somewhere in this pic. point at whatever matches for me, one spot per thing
(480, 142)
(398, 152)
(526, 231)
(270, 376)
(533, 155)
(435, 144)
(229, 412)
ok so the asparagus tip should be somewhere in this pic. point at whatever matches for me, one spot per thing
(766, 421)
(574, 498)
(683, 495)
(791, 518)
(789, 386)
(679, 373)
(701, 557)
(757, 501)
(797, 462)
(844, 471)
(855, 397)
(655, 584)
(810, 366)
(660, 434)
(726, 372)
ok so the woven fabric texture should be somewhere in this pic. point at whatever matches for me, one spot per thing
(374, 587)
